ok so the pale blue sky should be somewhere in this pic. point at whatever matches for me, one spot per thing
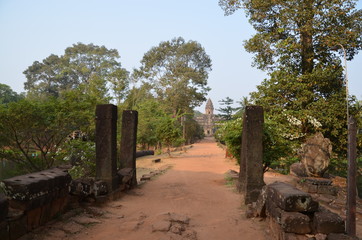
(31, 30)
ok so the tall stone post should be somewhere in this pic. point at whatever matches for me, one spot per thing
(251, 163)
(128, 142)
(106, 145)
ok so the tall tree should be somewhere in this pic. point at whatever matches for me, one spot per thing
(95, 67)
(294, 43)
(227, 110)
(178, 72)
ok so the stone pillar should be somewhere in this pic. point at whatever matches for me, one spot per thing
(106, 145)
(251, 163)
(129, 142)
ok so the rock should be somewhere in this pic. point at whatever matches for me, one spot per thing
(175, 217)
(298, 170)
(146, 177)
(315, 155)
(261, 203)
(177, 228)
(328, 222)
(290, 199)
(161, 226)
(295, 222)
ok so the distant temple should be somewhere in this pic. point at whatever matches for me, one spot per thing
(208, 119)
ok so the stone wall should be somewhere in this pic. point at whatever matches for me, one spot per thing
(293, 214)
(32, 200)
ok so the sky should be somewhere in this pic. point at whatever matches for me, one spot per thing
(32, 30)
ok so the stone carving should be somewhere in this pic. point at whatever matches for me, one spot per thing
(315, 155)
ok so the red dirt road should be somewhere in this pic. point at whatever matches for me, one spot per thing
(194, 188)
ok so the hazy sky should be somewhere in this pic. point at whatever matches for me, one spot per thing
(31, 30)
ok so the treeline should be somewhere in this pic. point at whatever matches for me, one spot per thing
(63, 91)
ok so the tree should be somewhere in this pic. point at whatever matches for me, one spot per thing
(95, 67)
(228, 110)
(177, 71)
(7, 95)
(34, 131)
(295, 43)
(299, 34)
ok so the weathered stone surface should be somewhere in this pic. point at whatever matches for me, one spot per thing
(340, 236)
(146, 177)
(315, 155)
(298, 170)
(327, 222)
(31, 186)
(295, 222)
(17, 226)
(329, 190)
(175, 217)
(261, 203)
(161, 226)
(33, 218)
(318, 181)
(290, 199)
(251, 162)
(125, 175)
(4, 207)
(4, 231)
(272, 210)
(144, 153)
(88, 186)
(106, 145)
(129, 142)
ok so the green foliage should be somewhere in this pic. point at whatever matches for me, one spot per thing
(169, 131)
(177, 73)
(81, 154)
(93, 68)
(228, 110)
(278, 151)
(33, 130)
(7, 95)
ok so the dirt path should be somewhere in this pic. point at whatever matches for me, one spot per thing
(189, 201)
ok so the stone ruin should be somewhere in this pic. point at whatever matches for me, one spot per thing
(292, 214)
(315, 156)
(33, 199)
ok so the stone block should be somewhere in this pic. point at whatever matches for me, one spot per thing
(298, 170)
(4, 207)
(35, 185)
(128, 146)
(272, 210)
(340, 236)
(328, 222)
(33, 218)
(106, 145)
(251, 158)
(45, 214)
(17, 226)
(125, 175)
(100, 188)
(329, 190)
(295, 222)
(4, 231)
(309, 188)
(144, 153)
(290, 199)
